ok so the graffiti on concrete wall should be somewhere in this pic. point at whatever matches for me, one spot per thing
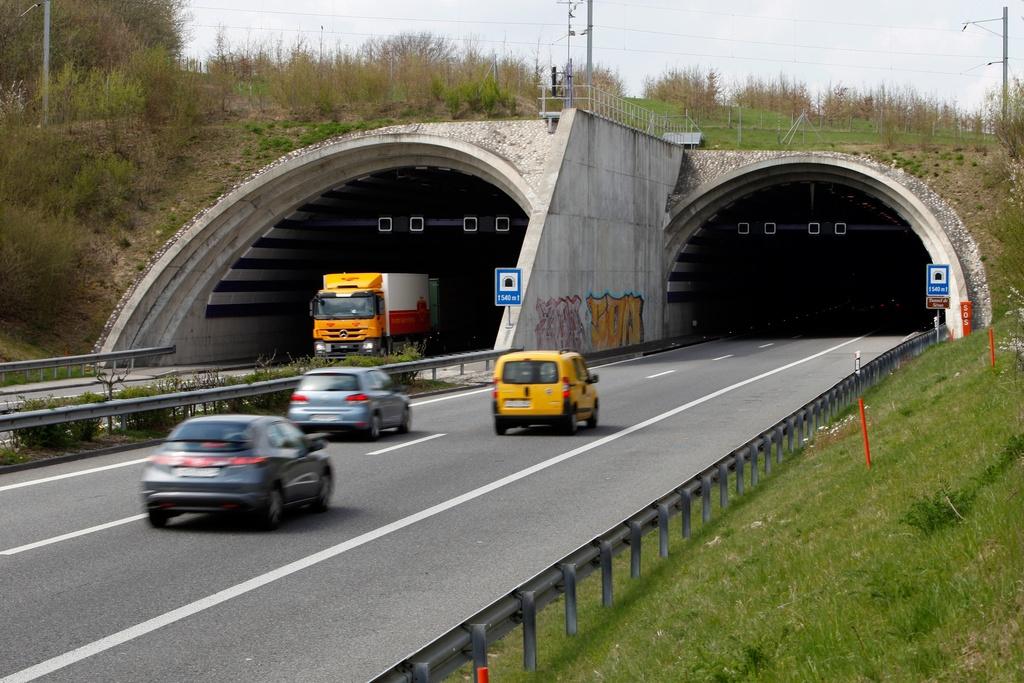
(615, 320)
(559, 325)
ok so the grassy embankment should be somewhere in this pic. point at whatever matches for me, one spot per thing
(830, 571)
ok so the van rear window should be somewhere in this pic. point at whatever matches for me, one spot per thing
(530, 372)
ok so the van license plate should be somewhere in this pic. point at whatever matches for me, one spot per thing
(517, 404)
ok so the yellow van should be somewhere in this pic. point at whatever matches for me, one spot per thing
(543, 387)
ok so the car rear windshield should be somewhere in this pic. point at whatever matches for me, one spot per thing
(329, 383)
(530, 372)
(215, 437)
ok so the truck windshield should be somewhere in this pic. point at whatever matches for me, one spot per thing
(344, 307)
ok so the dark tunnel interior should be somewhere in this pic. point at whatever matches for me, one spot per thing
(452, 226)
(815, 257)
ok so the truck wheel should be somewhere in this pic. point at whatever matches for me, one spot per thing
(592, 420)
(499, 426)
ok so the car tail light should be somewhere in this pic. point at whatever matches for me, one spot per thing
(494, 389)
(565, 387)
(247, 460)
(299, 398)
(357, 398)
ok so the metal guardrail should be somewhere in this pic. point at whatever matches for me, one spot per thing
(615, 108)
(89, 411)
(468, 641)
(41, 364)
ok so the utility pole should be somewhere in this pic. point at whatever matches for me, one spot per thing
(590, 43)
(1006, 52)
(46, 61)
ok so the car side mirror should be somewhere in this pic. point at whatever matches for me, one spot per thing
(592, 380)
(316, 442)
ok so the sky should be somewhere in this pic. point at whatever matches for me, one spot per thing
(821, 42)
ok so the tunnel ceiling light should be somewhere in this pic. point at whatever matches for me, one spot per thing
(814, 228)
(384, 224)
(769, 228)
(744, 228)
(502, 224)
(469, 224)
(416, 223)
(840, 228)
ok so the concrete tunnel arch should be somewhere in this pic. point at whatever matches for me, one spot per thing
(932, 220)
(166, 304)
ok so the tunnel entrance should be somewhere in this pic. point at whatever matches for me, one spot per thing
(452, 226)
(812, 256)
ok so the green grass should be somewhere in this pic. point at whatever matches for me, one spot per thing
(766, 130)
(829, 571)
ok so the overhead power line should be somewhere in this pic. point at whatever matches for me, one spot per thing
(317, 31)
(692, 36)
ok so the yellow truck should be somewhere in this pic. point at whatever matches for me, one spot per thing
(369, 313)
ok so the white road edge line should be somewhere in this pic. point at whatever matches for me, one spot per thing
(765, 346)
(73, 534)
(132, 632)
(71, 474)
(407, 443)
(729, 355)
(660, 374)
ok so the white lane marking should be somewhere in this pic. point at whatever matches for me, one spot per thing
(620, 362)
(407, 443)
(660, 374)
(448, 398)
(132, 632)
(797, 336)
(73, 534)
(70, 474)
(765, 346)
(723, 357)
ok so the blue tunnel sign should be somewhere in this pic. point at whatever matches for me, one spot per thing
(508, 287)
(938, 280)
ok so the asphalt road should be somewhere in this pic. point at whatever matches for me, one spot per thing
(418, 538)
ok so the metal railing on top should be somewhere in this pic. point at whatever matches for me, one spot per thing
(615, 108)
(468, 641)
(41, 364)
(115, 408)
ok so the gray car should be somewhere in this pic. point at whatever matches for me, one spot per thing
(339, 399)
(252, 464)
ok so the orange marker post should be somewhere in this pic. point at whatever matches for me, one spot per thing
(481, 675)
(992, 345)
(864, 431)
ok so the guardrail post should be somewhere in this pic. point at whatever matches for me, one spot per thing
(636, 538)
(421, 672)
(662, 530)
(738, 460)
(723, 485)
(569, 586)
(529, 607)
(705, 498)
(685, 508)
(478, 637)
(753, 464)
(606, 573)
(790, 426)
(767, 453)
(778, 443)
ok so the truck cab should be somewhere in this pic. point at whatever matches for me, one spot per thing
(366, 313)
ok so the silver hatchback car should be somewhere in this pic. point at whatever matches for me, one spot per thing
(350, 399)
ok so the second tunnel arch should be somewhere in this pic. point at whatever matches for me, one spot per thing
(716, 179)
(166, 305)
